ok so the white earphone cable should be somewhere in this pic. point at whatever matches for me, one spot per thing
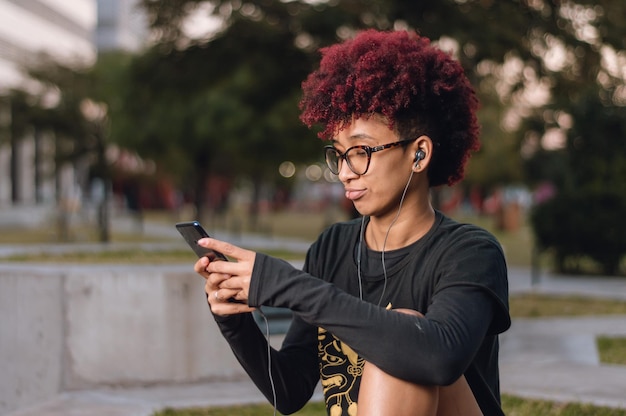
(362, 231)
(269, 358)
(358, 258)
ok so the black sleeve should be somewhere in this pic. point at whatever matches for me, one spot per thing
(433, 350)
(294, 368)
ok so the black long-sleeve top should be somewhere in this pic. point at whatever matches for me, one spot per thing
(455, 275)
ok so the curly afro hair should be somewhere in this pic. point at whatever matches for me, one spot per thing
(418, 88)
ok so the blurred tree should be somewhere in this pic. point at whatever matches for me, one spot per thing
(19, 123)
(532, 59)
(591, 201)
(576, 139)
(458, 26)
(219, 107)
(550, 76)
(63, 103)
(558, 70)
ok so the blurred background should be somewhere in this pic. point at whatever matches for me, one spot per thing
(180, 109)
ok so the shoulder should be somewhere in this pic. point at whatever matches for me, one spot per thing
(452, 235)
(471, 256)
(469, 248)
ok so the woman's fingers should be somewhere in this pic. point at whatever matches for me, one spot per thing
(230, 250)
(227, 282)
(221, 295)
(225, 301)
(200, 266)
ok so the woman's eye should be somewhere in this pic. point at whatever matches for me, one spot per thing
(360, 152)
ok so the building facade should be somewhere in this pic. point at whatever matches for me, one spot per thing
(68, 31)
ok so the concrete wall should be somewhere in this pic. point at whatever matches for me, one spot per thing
(76, 327)
(31, 338)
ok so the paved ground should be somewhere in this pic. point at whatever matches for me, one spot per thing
(554, 359)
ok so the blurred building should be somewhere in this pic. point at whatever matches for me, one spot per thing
(121, 25)
(71, 31)
(60, 28)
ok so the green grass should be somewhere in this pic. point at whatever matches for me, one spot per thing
(127, 256)
(612, 350)
(106, 257)
(517, 406)
(532, 305)
(76, 235)
(512, 406)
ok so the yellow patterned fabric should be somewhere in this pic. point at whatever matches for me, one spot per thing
(340, 373)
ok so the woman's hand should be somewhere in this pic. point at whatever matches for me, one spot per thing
(227, 282)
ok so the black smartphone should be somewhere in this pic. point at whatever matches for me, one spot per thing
(192, 231)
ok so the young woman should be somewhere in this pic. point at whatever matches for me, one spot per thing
(398, 312)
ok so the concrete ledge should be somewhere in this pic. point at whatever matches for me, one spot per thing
(68, 327)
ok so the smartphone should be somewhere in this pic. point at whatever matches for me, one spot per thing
(192, 231)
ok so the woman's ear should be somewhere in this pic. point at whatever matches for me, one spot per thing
(423, 150)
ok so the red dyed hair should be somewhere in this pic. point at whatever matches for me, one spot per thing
(418, 88)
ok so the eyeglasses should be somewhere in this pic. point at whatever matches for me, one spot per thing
(357, 157)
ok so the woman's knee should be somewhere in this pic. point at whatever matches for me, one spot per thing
(383, 394)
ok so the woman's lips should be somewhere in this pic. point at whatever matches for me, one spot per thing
(354, 194)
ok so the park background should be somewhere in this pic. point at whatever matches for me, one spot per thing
(160, 111)
(161, 105)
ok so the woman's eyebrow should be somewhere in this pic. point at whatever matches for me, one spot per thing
(360, 136)
(353, 137)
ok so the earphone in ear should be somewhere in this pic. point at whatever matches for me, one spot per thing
(419, 155)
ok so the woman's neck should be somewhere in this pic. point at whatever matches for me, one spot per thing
(391, 233)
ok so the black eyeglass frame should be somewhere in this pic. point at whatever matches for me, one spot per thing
(368, 150)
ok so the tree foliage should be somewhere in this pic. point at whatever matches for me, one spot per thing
(545, 69)
(221, 107)
(585, 115)
(63, 103)
(549, 74)
(576, 232)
